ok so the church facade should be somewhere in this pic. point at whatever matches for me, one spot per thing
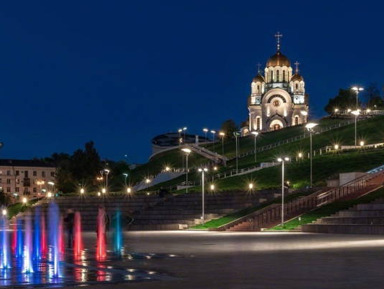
(278, 97)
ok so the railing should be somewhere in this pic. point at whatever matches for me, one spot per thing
(271, 215)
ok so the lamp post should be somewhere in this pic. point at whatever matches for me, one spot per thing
(125, 179)
(106, 171)
(282, 161)
(213, 132)
(236, 134)
(222, 134)
(205, 130)
(255, 133)
(184, 130)
(356, 113)
(187, 151)
(202, 171)
(310, 126)
(180, 139)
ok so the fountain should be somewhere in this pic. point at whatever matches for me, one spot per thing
(101, 252)
(27, 253)
(77, 242)
(5, 252)
(37, 235)
(117, 233)
(54, 219)
(44, 247)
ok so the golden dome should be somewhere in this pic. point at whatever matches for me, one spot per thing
(258, 78)
(297, 77)
(278, 59)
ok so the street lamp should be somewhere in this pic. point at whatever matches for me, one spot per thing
(310, 127)
(213, 132)
(184, 130)
(255, 133)
(125, 178)
(357, 89)
(187, 151)
(222, 134)
(82, 191)
(202, 171)
(282, 161)
(205, 130)
(236, 134)
(356, 114)
(106, 171)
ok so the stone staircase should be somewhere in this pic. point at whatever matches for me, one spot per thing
(360, 219)
(184, 211)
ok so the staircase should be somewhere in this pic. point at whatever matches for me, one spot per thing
(213, 156)
(183, 211)
(270, 216)
(361, 219)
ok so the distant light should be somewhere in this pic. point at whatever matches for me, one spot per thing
(368, 110)
(362, 143)
(357, 88)
(255, 133)
(103, 190)
(51, 183)
(82, 191)
(106, 171)
(167, 169)
(336, 109)
(281, 159)
(355, 112)
(25, 200)
(186, 150)
(336, 146)
(98, 194)
(212, 187)
(203, 169)
(185, 128)
(221, 133)
(49, 195)
(179, 130)
(205, 130)
(349, 110)
(147, 180)
(310, 125)
(213, 131)
(303, 112)
(250, 186)
(4, 212)
(215, 168)
(129, 190)
(300, 155)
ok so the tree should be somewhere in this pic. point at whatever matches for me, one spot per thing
(229, 127)
(372, 94)
(344, 100)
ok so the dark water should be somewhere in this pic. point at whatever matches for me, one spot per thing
(85, 270)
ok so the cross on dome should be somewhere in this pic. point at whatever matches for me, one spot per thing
(297, 66)
(278, 35)
(258, 67)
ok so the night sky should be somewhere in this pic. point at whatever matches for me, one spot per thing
(121, 72)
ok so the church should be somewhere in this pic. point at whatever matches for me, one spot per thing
(278, 97)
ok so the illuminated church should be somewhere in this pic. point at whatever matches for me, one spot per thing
(278, 98)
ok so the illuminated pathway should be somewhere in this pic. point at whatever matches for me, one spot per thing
(257, 260)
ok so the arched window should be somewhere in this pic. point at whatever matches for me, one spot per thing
(296, 120)
(283, 75)
(271, 76)
(297, 86)
(277, 76)
(258, 123)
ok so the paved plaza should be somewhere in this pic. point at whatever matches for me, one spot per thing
(253, 260)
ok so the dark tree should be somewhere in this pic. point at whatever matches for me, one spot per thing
(229, 127)
(344, 100)
(373, 97)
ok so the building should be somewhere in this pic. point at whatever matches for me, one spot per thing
(26, 177)
(278, 97)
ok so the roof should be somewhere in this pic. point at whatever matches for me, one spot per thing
(278, 59)
(25, 163)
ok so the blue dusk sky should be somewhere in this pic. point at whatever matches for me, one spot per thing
(121, 72)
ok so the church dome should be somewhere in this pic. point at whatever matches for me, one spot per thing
(278, 59)
(258, 78)
(297, 77)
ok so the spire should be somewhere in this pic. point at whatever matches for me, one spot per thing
(258, 68)
(278, 35)
(297, 67)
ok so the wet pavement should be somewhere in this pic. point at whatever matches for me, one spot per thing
(184, 259)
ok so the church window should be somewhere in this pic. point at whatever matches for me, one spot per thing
(276, 103)
(297, 86)
(277, 76)
(258, 123)
(258, 88)
(271, 76)
(283, 75)
(296, 120)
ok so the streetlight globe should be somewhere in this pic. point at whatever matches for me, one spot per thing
(355, 112)
(310, 125)
(98, 194)
(49, 195)
(82, 191)
(255, 133)
(212, 187)
(303, 112)
(300, 155)
(25, 200)
(221, 133)
(205, 130)
(336, 146)
(250, 186)
(129, 190)
(362, 143)
(280, 160)
(186, 150)
(4, 212)
(103, 190)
